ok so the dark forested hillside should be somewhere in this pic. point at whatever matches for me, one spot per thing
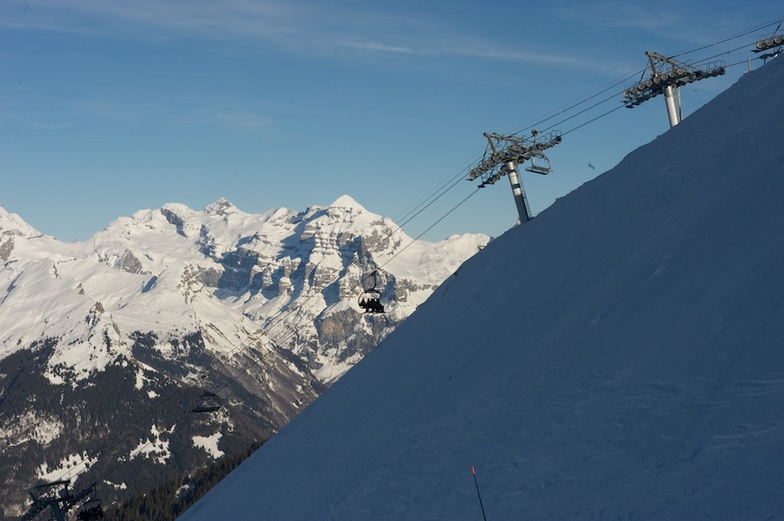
(166, 502)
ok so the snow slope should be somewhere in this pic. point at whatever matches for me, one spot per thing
(619, 357)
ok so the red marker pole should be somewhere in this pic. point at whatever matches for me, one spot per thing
(473, 471)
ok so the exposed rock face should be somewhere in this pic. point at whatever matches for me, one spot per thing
(125, 330)
(6, 247)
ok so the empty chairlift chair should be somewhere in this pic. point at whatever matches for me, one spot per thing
(207, 402)
(540, 164)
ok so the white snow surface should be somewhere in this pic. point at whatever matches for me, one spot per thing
(209, 444)
(619, 357)
(153, 447)
(73, 465)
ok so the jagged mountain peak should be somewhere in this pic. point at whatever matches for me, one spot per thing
(19, 241)
(181, 211)
(13, 224)
(221, 207)
(346, 201)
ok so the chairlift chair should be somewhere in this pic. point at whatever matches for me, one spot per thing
(543, 167)
(370, 299)
(90, 511)
(207, 402)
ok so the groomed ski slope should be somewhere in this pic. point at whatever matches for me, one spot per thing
(619, 357)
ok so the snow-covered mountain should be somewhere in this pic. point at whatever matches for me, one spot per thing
(619, 357)
(124, 331)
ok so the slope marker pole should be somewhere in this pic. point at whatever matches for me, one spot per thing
(473, 471)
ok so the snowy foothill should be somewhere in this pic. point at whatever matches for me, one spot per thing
(618, 357)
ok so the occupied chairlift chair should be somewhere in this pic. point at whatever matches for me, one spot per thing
(90, 511)
(370, 298)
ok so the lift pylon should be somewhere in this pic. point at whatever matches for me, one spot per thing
(666, 76)
(56, 496)
(505, 153)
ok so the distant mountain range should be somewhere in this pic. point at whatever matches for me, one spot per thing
(106, 345)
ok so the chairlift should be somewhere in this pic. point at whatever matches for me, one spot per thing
(90, 511)
(542, 167)
(207, 402)
(370, 301)
(370, 298)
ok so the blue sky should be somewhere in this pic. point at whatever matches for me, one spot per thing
(111, 107)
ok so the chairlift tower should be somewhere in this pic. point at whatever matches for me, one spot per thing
(505, 153)
(57, 497)
(666, 76)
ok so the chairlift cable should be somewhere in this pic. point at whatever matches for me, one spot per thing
(583, 100)
(455, 181)
(744, 33)
(592, 120)
(448, 179)
(709, 58)
(430, 227)
(605, 100)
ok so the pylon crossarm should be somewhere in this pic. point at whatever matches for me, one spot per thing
(510, 149)
(667, 74)
(769, 41)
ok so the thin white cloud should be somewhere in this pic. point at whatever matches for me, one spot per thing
(517, 55)
(145, 18)
(621, 15)
(315, 28)
(372, 46)
(112, 111)
(667, 19)
(242, 120)
(129, 113)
